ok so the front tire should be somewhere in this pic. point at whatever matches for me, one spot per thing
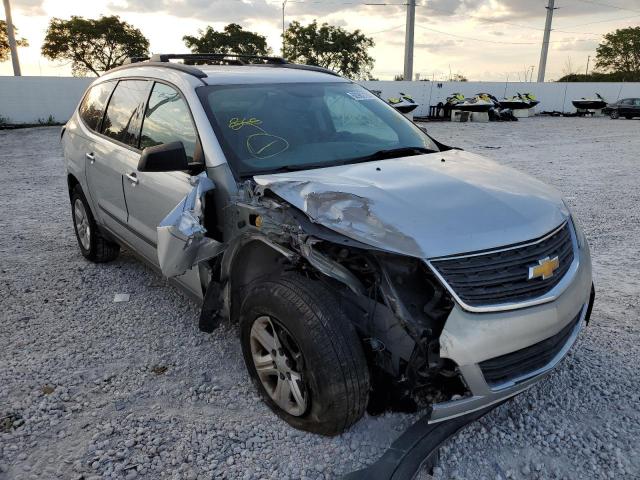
(614, 115)
(93, 246)
(303, 354)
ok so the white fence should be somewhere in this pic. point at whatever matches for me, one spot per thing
(33, 99)
(38, 99)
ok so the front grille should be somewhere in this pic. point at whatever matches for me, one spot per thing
(501, 276)
(521, 362)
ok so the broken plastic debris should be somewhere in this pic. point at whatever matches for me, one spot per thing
(181, 240)
(121, 297)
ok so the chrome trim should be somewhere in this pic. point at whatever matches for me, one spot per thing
(484, 395)
(550, 296)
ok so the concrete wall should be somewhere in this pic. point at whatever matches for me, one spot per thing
(552, 96)
(29, 99)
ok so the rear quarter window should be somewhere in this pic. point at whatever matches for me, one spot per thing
(92, 106)
(124, 112)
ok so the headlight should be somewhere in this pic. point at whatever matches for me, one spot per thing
(576, 227)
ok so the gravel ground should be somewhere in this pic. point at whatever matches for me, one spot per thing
(89, 387)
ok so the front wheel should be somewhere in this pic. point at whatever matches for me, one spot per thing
(614, 115)
(303, 354)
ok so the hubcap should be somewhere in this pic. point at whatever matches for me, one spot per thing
(279, 362)
(82, 224)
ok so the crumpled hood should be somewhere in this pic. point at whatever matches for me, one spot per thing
(425, 205)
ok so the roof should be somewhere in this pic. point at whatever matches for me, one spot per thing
(227, 69)
(247, 74)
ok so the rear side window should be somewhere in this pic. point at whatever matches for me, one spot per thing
(168, 119)
(637, 102)
(124, 113)
(92, 107)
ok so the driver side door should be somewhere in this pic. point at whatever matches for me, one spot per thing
(150, 196)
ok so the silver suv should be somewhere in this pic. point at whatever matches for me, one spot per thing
(366, 264)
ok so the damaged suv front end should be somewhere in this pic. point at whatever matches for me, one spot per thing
(366, 264)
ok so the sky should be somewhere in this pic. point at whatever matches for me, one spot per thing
(489, 40)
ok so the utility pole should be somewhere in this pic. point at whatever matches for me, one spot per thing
(545, 42)
(408, 41)
(284, 4)
(586, 72)
(12, 39)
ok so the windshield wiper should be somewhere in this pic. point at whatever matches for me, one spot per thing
(391, 153)
(379, 155)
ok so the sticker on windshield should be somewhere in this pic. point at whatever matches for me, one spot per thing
(361, 95)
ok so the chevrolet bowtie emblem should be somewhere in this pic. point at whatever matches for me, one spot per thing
(545, 268)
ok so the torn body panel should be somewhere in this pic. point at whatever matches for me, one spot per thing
(182, 242)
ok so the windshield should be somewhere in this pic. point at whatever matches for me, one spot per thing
(280, 127)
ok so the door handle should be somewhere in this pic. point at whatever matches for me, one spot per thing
(133, 178)
(91, 157)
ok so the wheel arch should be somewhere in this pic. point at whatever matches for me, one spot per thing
(249, 258)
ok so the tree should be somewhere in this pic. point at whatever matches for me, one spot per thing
(620, 51)
(232, 40)
(4, 41)
(330, 47)
(93, 45)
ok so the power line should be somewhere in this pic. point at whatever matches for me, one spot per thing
(603, 21)
(617, 7)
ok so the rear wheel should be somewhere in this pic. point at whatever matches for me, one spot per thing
(303, 354)
(93, 246)
(628, 117)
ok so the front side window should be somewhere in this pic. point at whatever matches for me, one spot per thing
(275, 127)
(122, 119)
(92, 106)
(167, 119)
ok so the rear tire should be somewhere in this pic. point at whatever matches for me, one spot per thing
(93, 245)
(320, 351)
(628, 117)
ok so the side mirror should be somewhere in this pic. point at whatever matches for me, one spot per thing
(167, 157)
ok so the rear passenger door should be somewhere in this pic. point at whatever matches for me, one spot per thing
(113, 153)
(150, 196)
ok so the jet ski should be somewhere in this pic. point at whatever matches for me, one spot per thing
(404, 104)
(597, 103)
(519, 102)
(479, 103)
(531, 98)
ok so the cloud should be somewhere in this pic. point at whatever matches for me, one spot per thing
(205, 10)
(28, 7)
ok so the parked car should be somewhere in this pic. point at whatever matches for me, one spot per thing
(627, 108)
(365, 263)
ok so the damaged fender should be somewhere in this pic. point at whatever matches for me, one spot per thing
(181, 236)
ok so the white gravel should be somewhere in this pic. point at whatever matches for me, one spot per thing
(93, 388)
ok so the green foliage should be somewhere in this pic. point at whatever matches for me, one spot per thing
(620, 51)
(232, 40)
(93, 45)
(4, 41)
(602, 77)
(329, 47)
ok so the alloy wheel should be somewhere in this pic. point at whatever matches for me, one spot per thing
(279, 364)
(82, 224)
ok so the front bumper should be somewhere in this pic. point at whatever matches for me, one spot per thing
(471, 338)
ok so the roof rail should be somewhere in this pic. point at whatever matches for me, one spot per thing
(192, 59)
(228, 58)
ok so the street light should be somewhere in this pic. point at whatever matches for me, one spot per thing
(12, 39)
(284, 4)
